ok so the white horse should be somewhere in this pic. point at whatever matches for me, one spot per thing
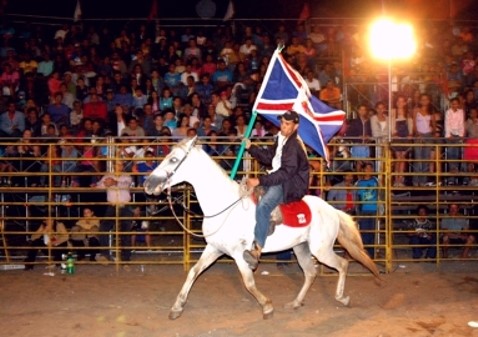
(229, 220)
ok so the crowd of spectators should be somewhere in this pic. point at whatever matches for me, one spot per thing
(73, 85)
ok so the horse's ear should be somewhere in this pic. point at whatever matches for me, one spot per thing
(192, 142)
(195, 140)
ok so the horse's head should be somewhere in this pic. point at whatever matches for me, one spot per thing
(166, 174)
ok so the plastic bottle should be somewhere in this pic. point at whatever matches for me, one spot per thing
(70, 264)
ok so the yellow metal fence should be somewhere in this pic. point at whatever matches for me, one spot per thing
(48, 181)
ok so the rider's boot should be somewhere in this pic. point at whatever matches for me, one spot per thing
(252, 256)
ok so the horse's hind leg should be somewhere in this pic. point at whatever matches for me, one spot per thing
(209, 255)
(327, 256)
(304, 257)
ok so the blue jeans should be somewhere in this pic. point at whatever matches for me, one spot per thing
(428, 243)
(270, 200)
(367, 229)
(422, 157)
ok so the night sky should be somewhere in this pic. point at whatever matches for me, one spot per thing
(246, 8)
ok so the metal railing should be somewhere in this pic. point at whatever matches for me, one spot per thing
(44, 186)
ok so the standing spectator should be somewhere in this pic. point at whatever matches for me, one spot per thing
(118, 195)
(454, 134)
(380, 129)
(424, 126)
(423, 236)
(402, 131)
(359, 131)
(367, 206)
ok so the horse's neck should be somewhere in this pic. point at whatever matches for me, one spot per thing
(214, 189)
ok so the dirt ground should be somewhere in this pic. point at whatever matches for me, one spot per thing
(416, 300)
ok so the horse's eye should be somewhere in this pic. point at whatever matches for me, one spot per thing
(174, 160)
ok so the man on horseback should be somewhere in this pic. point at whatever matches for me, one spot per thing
(287, 181)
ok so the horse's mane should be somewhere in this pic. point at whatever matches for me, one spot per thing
(198, 147)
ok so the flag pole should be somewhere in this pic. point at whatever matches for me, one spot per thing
(240, 153)
(250, 126)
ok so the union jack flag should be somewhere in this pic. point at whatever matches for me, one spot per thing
(284, 89)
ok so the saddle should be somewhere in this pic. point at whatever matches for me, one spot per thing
(292, 214)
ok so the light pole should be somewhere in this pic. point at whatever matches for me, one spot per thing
(391, 41)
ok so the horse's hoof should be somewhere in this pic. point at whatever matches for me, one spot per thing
(293, 305)
(175, 314)
(268, 315)
(345, 301)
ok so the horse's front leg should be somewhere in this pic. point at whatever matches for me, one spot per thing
(208, 256)
(249, 282)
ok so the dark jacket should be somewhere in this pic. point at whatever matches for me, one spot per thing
(358, 129)
(293, 174)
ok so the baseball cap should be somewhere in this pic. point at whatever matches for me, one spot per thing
(290, 115)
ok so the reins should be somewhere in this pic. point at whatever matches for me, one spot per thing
(189, 211)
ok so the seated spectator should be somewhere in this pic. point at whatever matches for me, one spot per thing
(139, 98)
(12, 121)
(209, 66)
(205, 89)
(95, 108)
(223, 76)
(76, 116)
(331, 95)
(471, 125)
(81, 89)
(9, 80)
(59, 112)
(181, 130)
(84, 235)
(312, 83)
(423, 236)
(172, 78)
(154, 101)
(455, 227)
(133, 129)
(51, 236)
(123, 98)
(141, 229)
(166, 100)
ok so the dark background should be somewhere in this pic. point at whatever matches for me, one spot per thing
(286, 9)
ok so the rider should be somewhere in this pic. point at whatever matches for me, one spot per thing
(287, 181)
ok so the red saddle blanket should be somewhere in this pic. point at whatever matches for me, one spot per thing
(296, 214)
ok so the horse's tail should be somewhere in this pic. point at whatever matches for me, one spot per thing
(349, 237)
